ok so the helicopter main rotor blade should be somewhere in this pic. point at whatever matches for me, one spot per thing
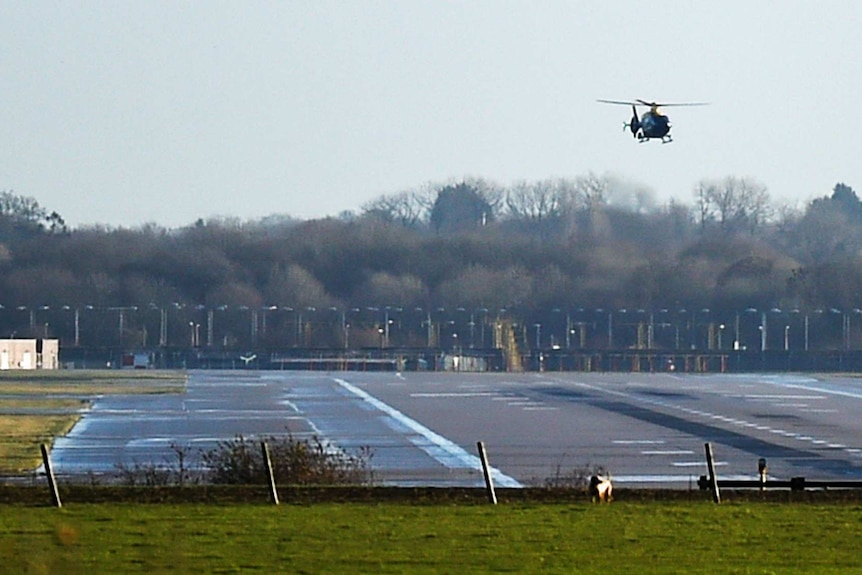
(620, 102)
(660, 105)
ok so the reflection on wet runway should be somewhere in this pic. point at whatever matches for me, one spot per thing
(422, 428)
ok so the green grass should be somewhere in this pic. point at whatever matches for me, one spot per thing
(625, 537)
(57, 391)
(90, 382)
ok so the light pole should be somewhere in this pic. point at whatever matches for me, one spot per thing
(163, 326)
(345, 336)
(786, 337)
(610, 330)
(77, 327)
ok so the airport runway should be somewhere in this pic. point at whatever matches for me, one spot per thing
(646, 429)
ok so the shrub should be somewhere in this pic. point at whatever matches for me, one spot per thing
(294, 462)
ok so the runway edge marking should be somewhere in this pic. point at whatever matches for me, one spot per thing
(454, 456)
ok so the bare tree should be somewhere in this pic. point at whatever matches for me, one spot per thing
(407, 209)
(734, 204)
(21, 207)
(295, 286)
(402, 290)
(534, 201)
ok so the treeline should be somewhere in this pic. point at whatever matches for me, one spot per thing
(587, 242)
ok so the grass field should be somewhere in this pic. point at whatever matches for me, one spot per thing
(636, 537)
(37, 406)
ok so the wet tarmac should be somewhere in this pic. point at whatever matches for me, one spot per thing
(422, 428)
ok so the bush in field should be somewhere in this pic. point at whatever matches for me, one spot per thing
(146, 474)
(294, 462)
(174, 471)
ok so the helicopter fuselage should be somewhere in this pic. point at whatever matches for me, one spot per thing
(654, 125)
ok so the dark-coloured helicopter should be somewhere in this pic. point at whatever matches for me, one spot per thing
(652, 123)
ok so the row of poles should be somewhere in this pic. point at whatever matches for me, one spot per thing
(267, 461)
(582, 329)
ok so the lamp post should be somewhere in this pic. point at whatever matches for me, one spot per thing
(429, 327)
(386, 322)
(345, 327)
(77, 327)
(163, 327)
(610, 330)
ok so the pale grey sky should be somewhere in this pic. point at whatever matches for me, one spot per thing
(129, 112)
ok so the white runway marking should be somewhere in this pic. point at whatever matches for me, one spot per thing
(450, 394)
(804, 384)
(444, 451)
(780, 397)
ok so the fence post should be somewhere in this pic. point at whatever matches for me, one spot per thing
(273, 492)
(52, 482)
(761, 471)
(713, 480)
(486, 470)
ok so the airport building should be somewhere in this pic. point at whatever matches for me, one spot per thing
(29, 354)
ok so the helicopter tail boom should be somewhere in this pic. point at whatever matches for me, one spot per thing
(634, 125)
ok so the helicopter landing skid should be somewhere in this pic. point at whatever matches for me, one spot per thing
(664, 139)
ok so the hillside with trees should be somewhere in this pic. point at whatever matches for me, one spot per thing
(468, 250)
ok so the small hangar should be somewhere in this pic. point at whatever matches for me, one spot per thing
(29, 354)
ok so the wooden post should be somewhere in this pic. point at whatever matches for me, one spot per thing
(273, 492)
(713, 480)
(486, 470)
(761, 471)
(52, 482)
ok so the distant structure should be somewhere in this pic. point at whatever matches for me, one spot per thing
(29, 354)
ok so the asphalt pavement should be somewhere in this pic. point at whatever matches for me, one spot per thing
(422, 428)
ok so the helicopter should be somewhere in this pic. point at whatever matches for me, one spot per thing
(652, 124)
